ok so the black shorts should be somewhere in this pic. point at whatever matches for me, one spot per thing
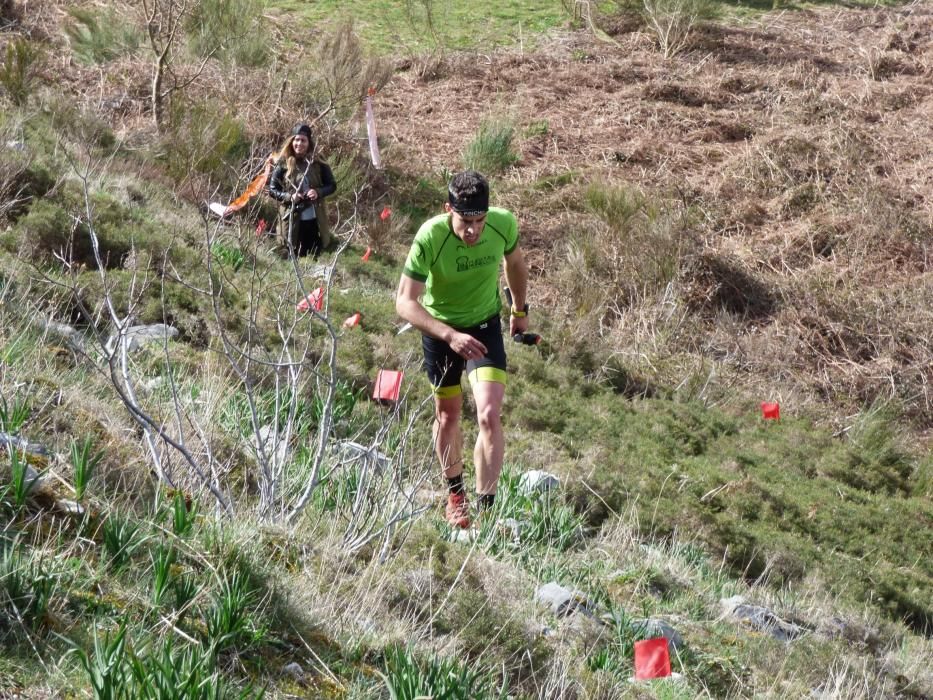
(445, 367)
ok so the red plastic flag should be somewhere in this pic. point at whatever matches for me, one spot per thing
(385, 214)
(260, 227)
(314, 300)
(652, 659)
(388, 385)
(369, 251)
(770, 411)
(353, 320)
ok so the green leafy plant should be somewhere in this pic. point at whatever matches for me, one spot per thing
(107, 667)
(184, 589)
(13, 414)
(227, 621)
(19, 70)
(491, 149)
(20, 482)
(524, 523)
(183, 515)
(162, 561)
(122, 537)
(84, 464)
(408, 678)
(616, 655)
(26, 587)
(537, 127)
(345, 398)
(228, 256)
(183, 672)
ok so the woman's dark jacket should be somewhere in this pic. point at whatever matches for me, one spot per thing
(317, 175)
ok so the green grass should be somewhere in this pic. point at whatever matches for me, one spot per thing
(389, 28)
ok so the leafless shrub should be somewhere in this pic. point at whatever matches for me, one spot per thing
(673, 21)
(250, 410)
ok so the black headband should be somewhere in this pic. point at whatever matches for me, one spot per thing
(474, 205)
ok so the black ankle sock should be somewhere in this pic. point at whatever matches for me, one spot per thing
(485, 500)
(455, 484)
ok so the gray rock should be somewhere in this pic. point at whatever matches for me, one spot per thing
(153, 384)
(274, 445)
(23, 445)
(137, 336)
(853, 632)
(294, 670)
(67, 333)
(536, 481)
(463, 536)
(658, 628)
(349, 451)
(512, 527)
(562, 601)
(69, 507)
(761, 619)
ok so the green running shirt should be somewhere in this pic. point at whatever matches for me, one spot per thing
(461, 281)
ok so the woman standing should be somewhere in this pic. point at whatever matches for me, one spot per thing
(300, 182)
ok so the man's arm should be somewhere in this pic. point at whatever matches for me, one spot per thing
(516, 275)
(409, 308)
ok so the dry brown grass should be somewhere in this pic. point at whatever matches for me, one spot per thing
(797, 140)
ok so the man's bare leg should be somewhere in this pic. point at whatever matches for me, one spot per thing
(490, 443)
(448, 440)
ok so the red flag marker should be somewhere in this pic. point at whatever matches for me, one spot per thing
(652, 659)
(314, 300)
(388, 385)
(770, 411)
(386, 213)
(366, 255)
(260, 227)
(353, 320)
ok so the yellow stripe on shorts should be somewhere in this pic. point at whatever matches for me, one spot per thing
(487, 374)
(448, 392)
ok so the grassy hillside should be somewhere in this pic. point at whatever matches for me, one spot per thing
(221, 511)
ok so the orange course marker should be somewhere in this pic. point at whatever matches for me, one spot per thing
(652, 659)
(314, 300)
(353, 320)
(385, 214)
(388, 385)
(770, 411)
(369, 251)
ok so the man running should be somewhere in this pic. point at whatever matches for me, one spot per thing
(449, 290)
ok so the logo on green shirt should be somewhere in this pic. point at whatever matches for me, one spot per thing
(464, 263)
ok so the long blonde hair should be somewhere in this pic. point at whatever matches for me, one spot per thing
(287, 153)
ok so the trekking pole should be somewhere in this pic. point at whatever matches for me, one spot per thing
(522, 338)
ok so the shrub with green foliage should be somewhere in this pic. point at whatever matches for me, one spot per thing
(491, 150)
(55, 229)
(233, 31)
(100, 37)
(20, 70)
(201, 139)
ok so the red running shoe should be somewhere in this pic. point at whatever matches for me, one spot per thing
(458, 510)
